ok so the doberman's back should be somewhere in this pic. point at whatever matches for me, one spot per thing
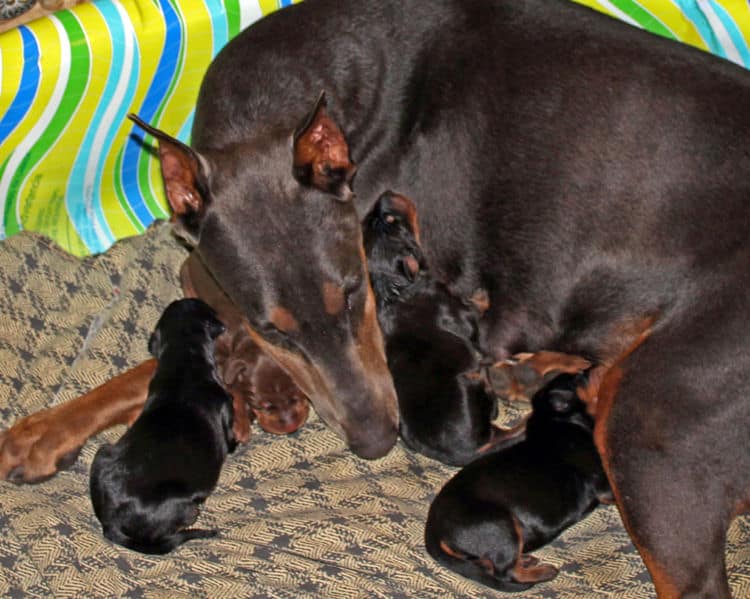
(617, 160)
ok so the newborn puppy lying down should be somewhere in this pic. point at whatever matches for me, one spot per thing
(147, 488)
(488, 517)
(430, 339)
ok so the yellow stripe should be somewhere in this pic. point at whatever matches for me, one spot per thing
(49, 44)
(670, 14)
(739, 10)
(596, 6)
(267, 6)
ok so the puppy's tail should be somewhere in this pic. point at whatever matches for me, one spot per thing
(481, 569)
(163, 545)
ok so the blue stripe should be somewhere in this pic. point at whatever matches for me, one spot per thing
(29, 85)
(286, 3)
(77, 199)
(127, 99)
(219, 24)
(165, 72)
(691, 10)
(737, 38)
(220, 36)
(184, 134)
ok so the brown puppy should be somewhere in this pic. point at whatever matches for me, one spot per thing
(254, 380)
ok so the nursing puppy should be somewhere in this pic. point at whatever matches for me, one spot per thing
(146, 488)
(488, 517)
(430, 339)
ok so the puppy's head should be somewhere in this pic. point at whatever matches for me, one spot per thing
(185, 320)
(391, 239)
(278, 404)
(559, 401)
(154, 522)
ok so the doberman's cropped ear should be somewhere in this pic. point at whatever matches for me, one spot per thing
(185, 173)
(321, 154)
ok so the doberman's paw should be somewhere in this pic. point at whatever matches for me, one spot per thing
(35, 448)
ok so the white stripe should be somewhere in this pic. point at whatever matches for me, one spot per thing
(721, 33)
(33, 136)
(618, 13)
(249, 12)
(97, 147)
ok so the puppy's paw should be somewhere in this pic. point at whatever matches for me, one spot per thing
(529, 570)
(243, 418)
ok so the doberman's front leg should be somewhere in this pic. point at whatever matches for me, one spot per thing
(677, 465)
(39, 445)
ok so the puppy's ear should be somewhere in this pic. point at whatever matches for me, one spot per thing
(561, 400)
(185, 173)
(391, 204)
(321, 154)
(154, 343)
(215, 327)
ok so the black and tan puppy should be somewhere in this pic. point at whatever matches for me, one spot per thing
(488, 517)
(147, 487)
(430, 338)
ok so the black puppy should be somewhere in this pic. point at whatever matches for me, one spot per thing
(147, 487)
(430, 340)
(488, 517)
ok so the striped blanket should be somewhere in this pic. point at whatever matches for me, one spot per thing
(71, 166)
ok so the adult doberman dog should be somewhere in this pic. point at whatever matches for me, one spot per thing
(592, 178)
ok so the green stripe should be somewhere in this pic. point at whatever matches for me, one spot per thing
(7, 212)
(80, 61)
(644, 18)
(120, 194)
(233, 18)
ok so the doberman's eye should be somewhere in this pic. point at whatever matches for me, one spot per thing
(275, 335)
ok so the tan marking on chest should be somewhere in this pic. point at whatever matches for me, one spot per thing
(284, 320)
(333, 298)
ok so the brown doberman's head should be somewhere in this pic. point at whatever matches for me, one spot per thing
(274, 222)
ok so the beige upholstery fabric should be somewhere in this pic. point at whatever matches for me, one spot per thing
(299, 516)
